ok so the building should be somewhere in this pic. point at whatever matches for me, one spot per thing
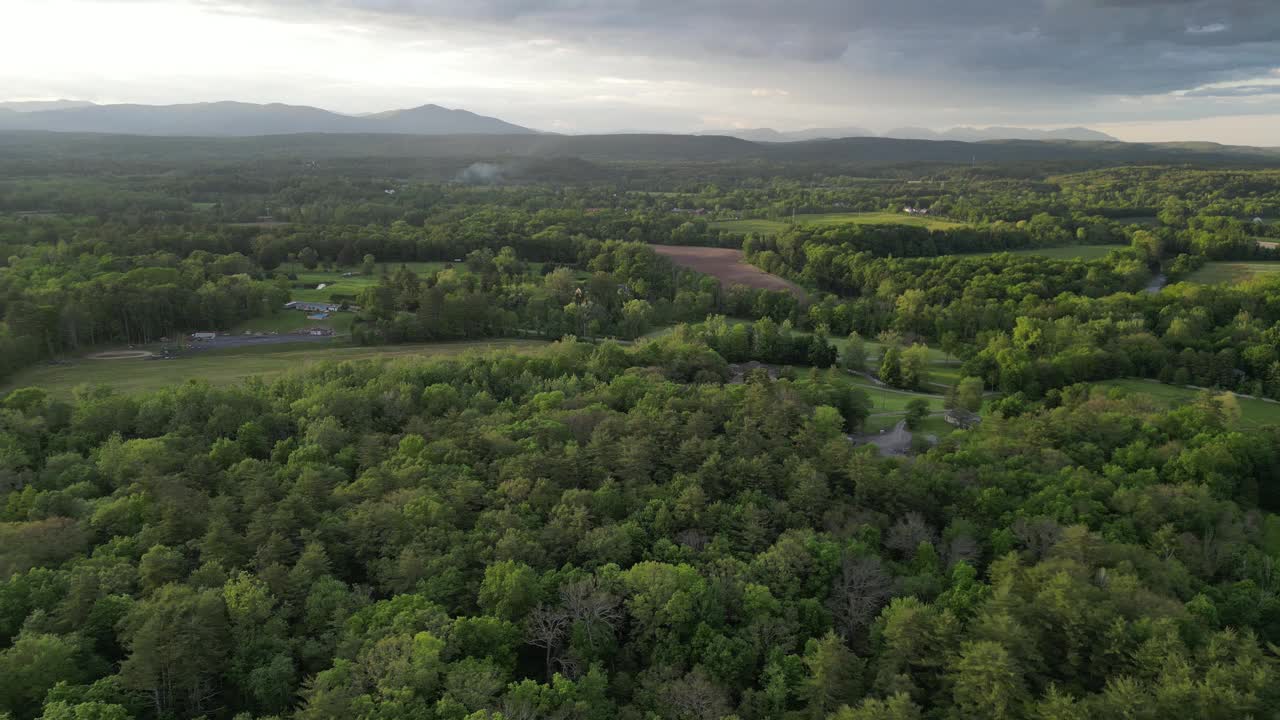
(961, 418)
(203, 336)
(311, 307)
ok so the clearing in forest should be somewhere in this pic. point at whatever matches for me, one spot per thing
(726, 265)
(1254, 412)
(1232, 272)
(773, 227)
(223, 367)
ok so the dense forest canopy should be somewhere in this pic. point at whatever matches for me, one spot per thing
(674, 506)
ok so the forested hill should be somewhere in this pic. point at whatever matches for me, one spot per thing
(425, 154)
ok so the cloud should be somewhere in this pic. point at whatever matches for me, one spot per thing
(664, 64)
(1101, 46)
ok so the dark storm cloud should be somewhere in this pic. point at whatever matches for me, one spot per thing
(1079, 46)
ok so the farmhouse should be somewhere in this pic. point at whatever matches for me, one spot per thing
(311, 307)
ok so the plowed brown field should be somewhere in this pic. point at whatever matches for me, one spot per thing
(726, 265)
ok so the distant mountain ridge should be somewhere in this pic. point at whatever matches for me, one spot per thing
(24, 106)
(771, 135)
(963, 134)
(237, 119)
(972, 134)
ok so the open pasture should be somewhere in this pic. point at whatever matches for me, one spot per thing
(773, 227)
(1254, 412)
(1233, 272)
(233, 365)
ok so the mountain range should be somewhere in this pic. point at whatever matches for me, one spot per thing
(963, 134)
(236, 119)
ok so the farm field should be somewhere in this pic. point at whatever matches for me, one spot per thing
(1253, 413)
(771, 227)
(288, 321)
(307, 286)
(233, 365)
(1232, 272)
(1068, 252)
(726, 265)
(759, 226)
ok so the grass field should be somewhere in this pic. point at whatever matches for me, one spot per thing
(288, 321)
(755, 225)
(307, 286)
(1231, 272)
(772, 227)
(1253, 413)
(232, 365)
(876, 218)
(1069, 252)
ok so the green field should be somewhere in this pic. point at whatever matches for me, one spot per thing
(307, 286)
(232, 365)
(884, 400)
(1069, 252)
(288, 321)
(1253, 413)
(1232, 272)
(773, 227)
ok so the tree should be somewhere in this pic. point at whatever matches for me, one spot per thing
(367, 264)
(969, 393)
(834, 675)
(177, 646)
(860, 589)
(309, 258)
(897, 707)
(915, 367)
(509, 590)
(917, 413)
(854, 355)
(35, 663)
(891, 366)
(636, 315)
(986, 682)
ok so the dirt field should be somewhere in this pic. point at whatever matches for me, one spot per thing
(726, 265)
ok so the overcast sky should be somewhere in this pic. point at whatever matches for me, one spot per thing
(1139, 69)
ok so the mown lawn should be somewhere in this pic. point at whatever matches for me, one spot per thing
(877, 218)
(307, 286)
(1253, 413)
(288, 321)
(233, 365)
(1232, 272)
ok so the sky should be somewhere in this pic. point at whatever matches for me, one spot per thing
(1138, 69)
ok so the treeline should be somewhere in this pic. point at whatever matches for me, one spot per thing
(57, 301)
(906, 241)
(601, 532)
